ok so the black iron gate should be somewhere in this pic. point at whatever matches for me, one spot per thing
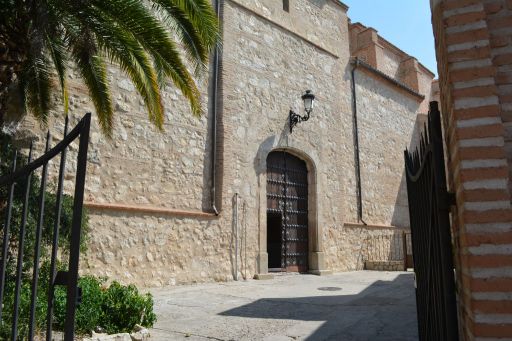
(287, 210)
(22, 177)
(429, 204)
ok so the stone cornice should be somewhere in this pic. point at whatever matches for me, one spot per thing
(386, 44)
(390, 80)
(341, 4)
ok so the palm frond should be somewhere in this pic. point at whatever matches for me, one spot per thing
(149, 32)
(204, 19)
(94, 73)
(174, 69)
(141, 36)
(35, 87)
(58, 54)
(89, 62)
(192, 39)
(122, 48)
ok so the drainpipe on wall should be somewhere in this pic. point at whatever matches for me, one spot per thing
(236, 236)
(355, 64)
(215, 96)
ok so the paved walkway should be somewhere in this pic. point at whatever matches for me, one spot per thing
(365, 305)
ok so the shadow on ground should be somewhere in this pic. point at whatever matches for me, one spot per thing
(376, 313)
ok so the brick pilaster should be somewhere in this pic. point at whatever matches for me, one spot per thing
(470, 36)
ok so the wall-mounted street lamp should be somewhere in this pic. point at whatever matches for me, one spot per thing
(308, 99)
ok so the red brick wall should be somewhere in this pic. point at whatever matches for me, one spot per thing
(499, 19)
(474, 52)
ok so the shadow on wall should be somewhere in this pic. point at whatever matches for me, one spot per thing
(383, 311)
(400, 216)
(260, 159)
(207, 159)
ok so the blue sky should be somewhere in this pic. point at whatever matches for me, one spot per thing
(405, 23)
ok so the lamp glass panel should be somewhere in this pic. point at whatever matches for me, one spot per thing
(308, 103)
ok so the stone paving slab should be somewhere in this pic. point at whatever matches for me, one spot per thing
(351, 306)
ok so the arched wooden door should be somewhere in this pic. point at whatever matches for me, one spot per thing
(287, 212)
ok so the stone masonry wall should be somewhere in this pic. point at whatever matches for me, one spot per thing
(390, 64)
(148, 193)
(140, 165)
(385, 131)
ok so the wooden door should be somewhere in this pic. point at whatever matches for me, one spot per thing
(287, 195)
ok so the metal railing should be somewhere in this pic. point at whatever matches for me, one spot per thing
(23, 177)
(389, 247)
(385, 247)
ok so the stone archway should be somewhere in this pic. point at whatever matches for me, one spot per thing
(316, 260)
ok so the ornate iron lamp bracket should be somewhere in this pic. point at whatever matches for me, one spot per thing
(294, 118)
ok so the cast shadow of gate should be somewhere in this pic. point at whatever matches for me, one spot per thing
(385, 310)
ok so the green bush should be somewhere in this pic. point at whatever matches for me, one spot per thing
(88, 313)
(123, 307)
(115, 309)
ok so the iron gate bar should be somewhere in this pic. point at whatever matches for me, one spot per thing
(70, 277)
(429, 204)
(6, 237)
(76, 226)
(37, 250)
(55, 238)
(21, 241)
(29, 168)
(295, 254)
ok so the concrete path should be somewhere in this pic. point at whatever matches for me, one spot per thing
(365, 305)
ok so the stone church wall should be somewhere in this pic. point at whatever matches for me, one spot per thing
(148, 193)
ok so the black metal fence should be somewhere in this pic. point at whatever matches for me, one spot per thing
(429, 204)
(385, 247)
(390, 247)
(14, 246)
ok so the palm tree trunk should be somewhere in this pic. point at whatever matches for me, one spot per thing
(11, 62)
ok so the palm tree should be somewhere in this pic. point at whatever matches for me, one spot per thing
(41, 38)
